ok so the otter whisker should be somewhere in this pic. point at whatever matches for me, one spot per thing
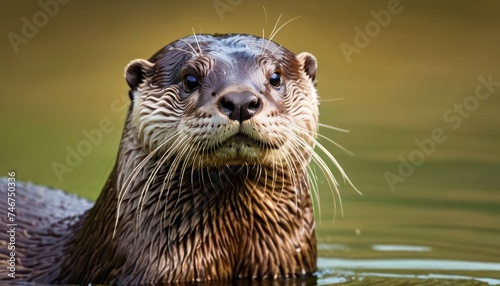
(293, 171)
(330, 140)
(187, 43)
(281, 157)
(277, 49)
(263, 34)
(321, 136)
(145, 189)
(330, 179)
(313, 182)
(128, 183)
(265, 15)
(170, 176)
(300, 143)
(180, 148)
(189, 160)
(185, 153)
(336, 163)
(336, 144)
(274, 171)
(199, 163)
(158, 165)
(168, 154)
(333, 128)
(262, 44)
(313, 179)
(324, 168)
(273, 33)
(197, 42)
(257, 171)
(297, 158)
(179, 49)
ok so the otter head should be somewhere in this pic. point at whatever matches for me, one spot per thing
(221, 100)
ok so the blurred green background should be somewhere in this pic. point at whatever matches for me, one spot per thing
(66, 78)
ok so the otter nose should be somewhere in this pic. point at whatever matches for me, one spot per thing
(239, 106)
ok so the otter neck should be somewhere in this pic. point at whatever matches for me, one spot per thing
(214, 218)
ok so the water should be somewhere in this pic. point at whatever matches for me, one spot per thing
(426, 230)
(437, 222)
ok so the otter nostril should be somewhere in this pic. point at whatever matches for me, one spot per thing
(226, 106)
(240, 106)
(254, 105)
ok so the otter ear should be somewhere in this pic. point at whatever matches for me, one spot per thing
(136, 71)
(309, 63)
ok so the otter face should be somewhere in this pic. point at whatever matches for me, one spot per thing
(225, 100)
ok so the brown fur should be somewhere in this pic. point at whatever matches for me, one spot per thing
(180, 205)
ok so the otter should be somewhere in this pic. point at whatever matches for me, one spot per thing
(210, 182)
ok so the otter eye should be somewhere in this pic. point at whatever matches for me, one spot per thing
(190, 82)
(275, 80)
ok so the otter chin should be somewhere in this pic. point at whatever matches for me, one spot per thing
(210, 182)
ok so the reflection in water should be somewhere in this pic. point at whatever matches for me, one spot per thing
(407, 248)
(372, 278)
(407, 264)
(402, 271)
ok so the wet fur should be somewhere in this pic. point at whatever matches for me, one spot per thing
(186, 201)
